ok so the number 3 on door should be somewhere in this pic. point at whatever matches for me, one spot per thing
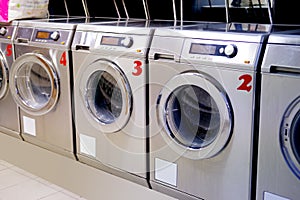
(246, 83)
(137, 68)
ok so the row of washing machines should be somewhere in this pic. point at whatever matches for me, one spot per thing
(194, 110)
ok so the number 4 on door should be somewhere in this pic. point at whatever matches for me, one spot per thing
(63, 59)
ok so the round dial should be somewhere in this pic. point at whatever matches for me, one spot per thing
(127, 42)
(230, 50)
(55, 35)
(3, 31)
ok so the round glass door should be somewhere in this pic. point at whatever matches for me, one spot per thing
(290, 137)
(107, 95)
(3, 76)
(34, 84)
(193, 117)
(196, 114)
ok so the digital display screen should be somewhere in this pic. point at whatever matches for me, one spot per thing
(43, 35)
(203, 49)
(108, 40)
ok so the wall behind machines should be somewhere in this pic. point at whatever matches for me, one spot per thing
(162, 9)
(57, 7)
(286, 12)
(135, 8)
(74, 7)
(249, 11)
(253, 11)
(209, 10)
(96, 10)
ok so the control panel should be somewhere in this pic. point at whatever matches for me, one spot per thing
(120, 44)
(229, 50)
(225, 52)
(126, 42)
(49, 36)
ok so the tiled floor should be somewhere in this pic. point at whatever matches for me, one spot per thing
(17, 184)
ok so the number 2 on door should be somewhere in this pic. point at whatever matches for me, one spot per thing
(246, 83)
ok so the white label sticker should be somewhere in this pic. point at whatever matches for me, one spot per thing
(87, 145)
(270, 196)
(29, 126)
(165, 171)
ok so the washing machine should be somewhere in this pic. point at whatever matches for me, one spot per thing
(9, 123)
(40, 84)
(109, 98)
(278, 173)
(202, 87)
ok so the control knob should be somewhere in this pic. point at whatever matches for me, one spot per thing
(230, 50)
(3, 31)
(127, 42)
(55, 35)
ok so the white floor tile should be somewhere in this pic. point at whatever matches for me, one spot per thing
(75, 196)
(2, 167)
(23, 172)
(9, 178)
(58, 196)
(2, 162)
(18, 184)
(28, 190)
(49, 184)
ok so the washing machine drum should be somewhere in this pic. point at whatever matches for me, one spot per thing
(196, 114)
(106, 95)
(290, 137)
(34, 84)
(3, 76)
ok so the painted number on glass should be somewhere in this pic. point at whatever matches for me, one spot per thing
(63, 59)
(137, 68)
(246, 82)
(9, 50)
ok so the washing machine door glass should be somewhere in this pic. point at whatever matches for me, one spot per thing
(3, 76)
(193, 116)
(34, 84)
(196, 114)
(290, 137)
(107, 95)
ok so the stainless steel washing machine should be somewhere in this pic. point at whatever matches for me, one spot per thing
(9, 116)
(202, 89)
(40, 83)
(109, 98)
(278, 173)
